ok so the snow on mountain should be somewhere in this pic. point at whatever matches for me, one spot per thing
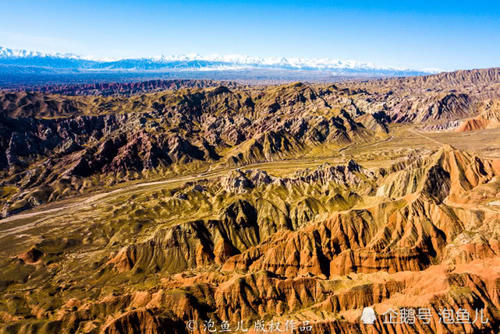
(193, 62)
(294, 62)
(16, 53)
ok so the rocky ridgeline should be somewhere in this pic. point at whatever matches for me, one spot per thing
(283, 247)
(48, 138)
(124, 88)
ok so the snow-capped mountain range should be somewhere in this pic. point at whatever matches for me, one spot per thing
(16, 53)
(24, 60)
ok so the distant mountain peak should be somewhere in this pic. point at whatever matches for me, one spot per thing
(17, 53)
(23, 67)
(199, 62)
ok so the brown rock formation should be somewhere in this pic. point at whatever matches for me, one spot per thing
(296, 205)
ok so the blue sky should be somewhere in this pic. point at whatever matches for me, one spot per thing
(442, 34)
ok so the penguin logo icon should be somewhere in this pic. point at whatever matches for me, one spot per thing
(368, 316)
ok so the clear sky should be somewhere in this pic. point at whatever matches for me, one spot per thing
(438, 34)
